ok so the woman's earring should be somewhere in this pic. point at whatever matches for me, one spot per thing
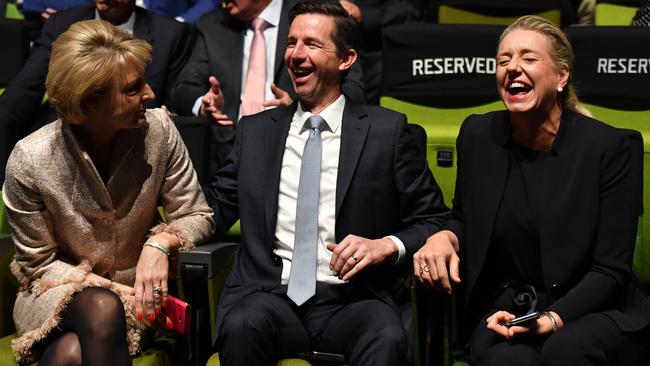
(560, 89)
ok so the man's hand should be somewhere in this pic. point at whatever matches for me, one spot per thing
(437, 262)
(352, 9)
(282, 98)
(212, 104)
(354, 253)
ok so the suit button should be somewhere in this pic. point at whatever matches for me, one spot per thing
(277, 260)
(554, 288)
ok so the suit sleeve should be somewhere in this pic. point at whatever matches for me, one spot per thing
(421, 206)
(192, 81)
(187, 212)
(614, 239)
(37, 251)
(181, 52)
(221, 193)
(21, 100)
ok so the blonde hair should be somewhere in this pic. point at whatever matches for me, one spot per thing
(85, 62)
(561, 52)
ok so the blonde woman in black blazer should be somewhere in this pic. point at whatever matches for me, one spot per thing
(544, 220)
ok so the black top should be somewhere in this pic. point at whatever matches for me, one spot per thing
(514, 251)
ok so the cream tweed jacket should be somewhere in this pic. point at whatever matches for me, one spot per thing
(66, 222)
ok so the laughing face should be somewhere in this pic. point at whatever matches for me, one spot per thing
(314, 65)
(527, 77)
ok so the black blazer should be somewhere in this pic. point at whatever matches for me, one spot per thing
(384, 187)
(588, 229)
(171, 40)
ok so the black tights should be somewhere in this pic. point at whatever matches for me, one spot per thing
(93, 332)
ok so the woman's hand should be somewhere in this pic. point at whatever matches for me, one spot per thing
(151, 275)
(437, 262)
(543, 325)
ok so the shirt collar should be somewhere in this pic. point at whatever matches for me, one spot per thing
(128, 26)
(271, 14)
(332, 114)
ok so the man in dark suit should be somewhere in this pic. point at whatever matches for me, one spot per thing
(212, 82)
(375, 202)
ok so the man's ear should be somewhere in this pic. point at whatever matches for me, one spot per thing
(348, 59)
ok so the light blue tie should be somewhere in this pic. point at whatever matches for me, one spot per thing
(302, 279)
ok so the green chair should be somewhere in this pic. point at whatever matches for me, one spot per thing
(437, 75)
(12, 12)
(616, 93)
(500, 12)
(615, 12)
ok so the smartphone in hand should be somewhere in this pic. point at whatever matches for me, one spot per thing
(525, 320)
(180, 314)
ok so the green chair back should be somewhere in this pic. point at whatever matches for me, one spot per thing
(12, 12)
(613, 83)
(609, 14)
(496, 12)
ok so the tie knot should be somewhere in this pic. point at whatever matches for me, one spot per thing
(258, 24)
(316, 122)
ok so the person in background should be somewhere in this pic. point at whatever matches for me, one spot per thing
(81, 196)
(21, 105)
(374, 16)
(544, 220)
(333, 197)
(642, 16)
(236, 69)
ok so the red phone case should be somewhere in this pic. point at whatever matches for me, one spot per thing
(179, 312)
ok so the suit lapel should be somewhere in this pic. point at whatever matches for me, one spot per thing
(142, 26)
(275, 137)
(231, 36)
(354, 130)
(495, 163)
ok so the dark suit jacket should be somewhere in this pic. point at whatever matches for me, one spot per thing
(587, 231)
(218, 52)
(171, 40)
(384, 187)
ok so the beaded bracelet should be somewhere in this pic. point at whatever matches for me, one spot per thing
(158, 246)
(553, 321)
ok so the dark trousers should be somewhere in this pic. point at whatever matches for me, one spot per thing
(591, 340)
(265, 327)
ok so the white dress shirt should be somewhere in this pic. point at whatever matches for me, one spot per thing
(271, 14)
(288, 191)
(127, 26)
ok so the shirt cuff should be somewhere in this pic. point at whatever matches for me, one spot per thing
(197, 106)
(401, 249)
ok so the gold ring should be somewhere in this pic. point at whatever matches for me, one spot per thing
(355, 259)
(424, 268)
(157, 290)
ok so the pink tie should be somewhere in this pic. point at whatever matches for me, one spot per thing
(256, 74)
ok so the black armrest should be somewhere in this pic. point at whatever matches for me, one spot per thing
(203, 272)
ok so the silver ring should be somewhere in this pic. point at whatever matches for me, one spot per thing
(356, 260)
(157, 290)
